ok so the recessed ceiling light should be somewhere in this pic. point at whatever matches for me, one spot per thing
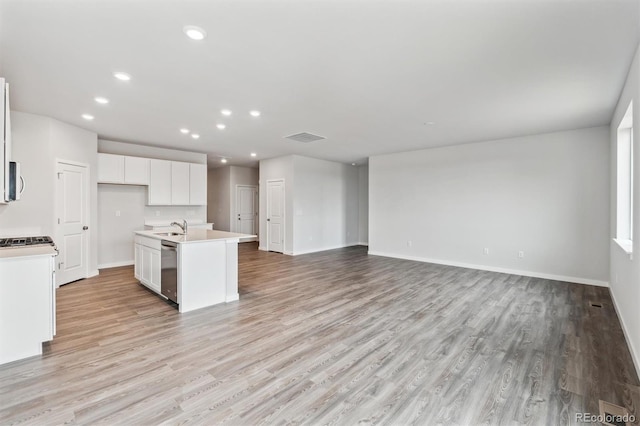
(101, 100)
(226, 112)
(194, 33)
(254, 113)
(195, 136)
(253, 154)
(88, 117)
(224, 160)
(184, 131)
(353, 164)
(122, 76)
(221, 126)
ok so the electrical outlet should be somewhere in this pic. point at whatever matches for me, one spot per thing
(409, 243)
(117, 213)
(520, 254)
(486, 251)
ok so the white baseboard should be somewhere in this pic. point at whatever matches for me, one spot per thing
(232, 298)
(362, 244)
(262, 248)
(577, 280)
(94, 273)
(635, 355)
(115, 264)
(323, 249)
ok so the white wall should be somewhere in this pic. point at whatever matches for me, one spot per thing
(321, 203)
(625, 271)
(38, 142)
(277, 168)
(33, 214)
(325, 205)
(363, 205)
(546, 195)
(219, 197)
(115, 245)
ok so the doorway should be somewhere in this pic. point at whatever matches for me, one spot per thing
(72, 230)
(246, 210)
(275, 215)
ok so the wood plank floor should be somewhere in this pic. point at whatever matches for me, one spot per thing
(336, 337)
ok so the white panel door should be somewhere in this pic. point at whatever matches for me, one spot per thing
(198, 184)
(159, 183)
(179, 183)
(246, 209)
(72, 236)
(275, 215)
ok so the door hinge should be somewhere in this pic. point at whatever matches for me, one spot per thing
(58, 221)
(60, 175)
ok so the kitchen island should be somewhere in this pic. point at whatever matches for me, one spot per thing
(204, 266)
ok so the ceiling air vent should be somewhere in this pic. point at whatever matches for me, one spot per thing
(305, 137)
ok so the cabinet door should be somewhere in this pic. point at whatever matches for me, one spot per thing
(136, 170)
(159, 182)
(179, 183)
(110, 168)
(145, 275)
(155, 270)
(137, 261)
(198, 184)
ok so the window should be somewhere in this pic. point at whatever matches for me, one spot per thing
(624, 193)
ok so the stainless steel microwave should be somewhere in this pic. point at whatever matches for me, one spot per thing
(15, 186)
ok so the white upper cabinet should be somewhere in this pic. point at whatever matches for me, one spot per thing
(160, 182)
(110, 168)
(171, 183)
(123, 169)
(198, 184)
(136, 171)
(179, 183)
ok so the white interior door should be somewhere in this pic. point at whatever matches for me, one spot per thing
(246, 209)
(275, 215)
(72, 236)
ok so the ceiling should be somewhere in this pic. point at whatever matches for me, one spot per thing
(372, 77)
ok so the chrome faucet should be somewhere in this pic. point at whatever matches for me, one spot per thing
(182, 226)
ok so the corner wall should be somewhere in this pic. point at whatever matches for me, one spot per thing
(325, 205)
(38, 142)
(545, 195)
(625, 269)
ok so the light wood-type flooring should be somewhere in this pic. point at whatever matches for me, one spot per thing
(337, 337)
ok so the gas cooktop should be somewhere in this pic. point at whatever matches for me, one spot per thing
(26, 241)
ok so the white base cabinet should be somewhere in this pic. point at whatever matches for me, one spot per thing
(27, 305)
(147, 262)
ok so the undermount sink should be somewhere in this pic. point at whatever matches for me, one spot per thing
(168, 234)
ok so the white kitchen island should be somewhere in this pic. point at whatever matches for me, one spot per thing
(207, 265)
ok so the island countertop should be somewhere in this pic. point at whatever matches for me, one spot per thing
(195, 236)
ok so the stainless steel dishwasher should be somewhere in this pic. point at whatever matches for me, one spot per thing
(169, 270)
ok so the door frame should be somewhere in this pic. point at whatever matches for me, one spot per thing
(234, 216)
(284, 214)
(87, 201)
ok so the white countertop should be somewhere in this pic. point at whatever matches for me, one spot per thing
(195, 235)
(45, 250)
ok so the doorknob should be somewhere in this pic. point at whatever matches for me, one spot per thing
(239, 219)
(84, 228)
(268, 220)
